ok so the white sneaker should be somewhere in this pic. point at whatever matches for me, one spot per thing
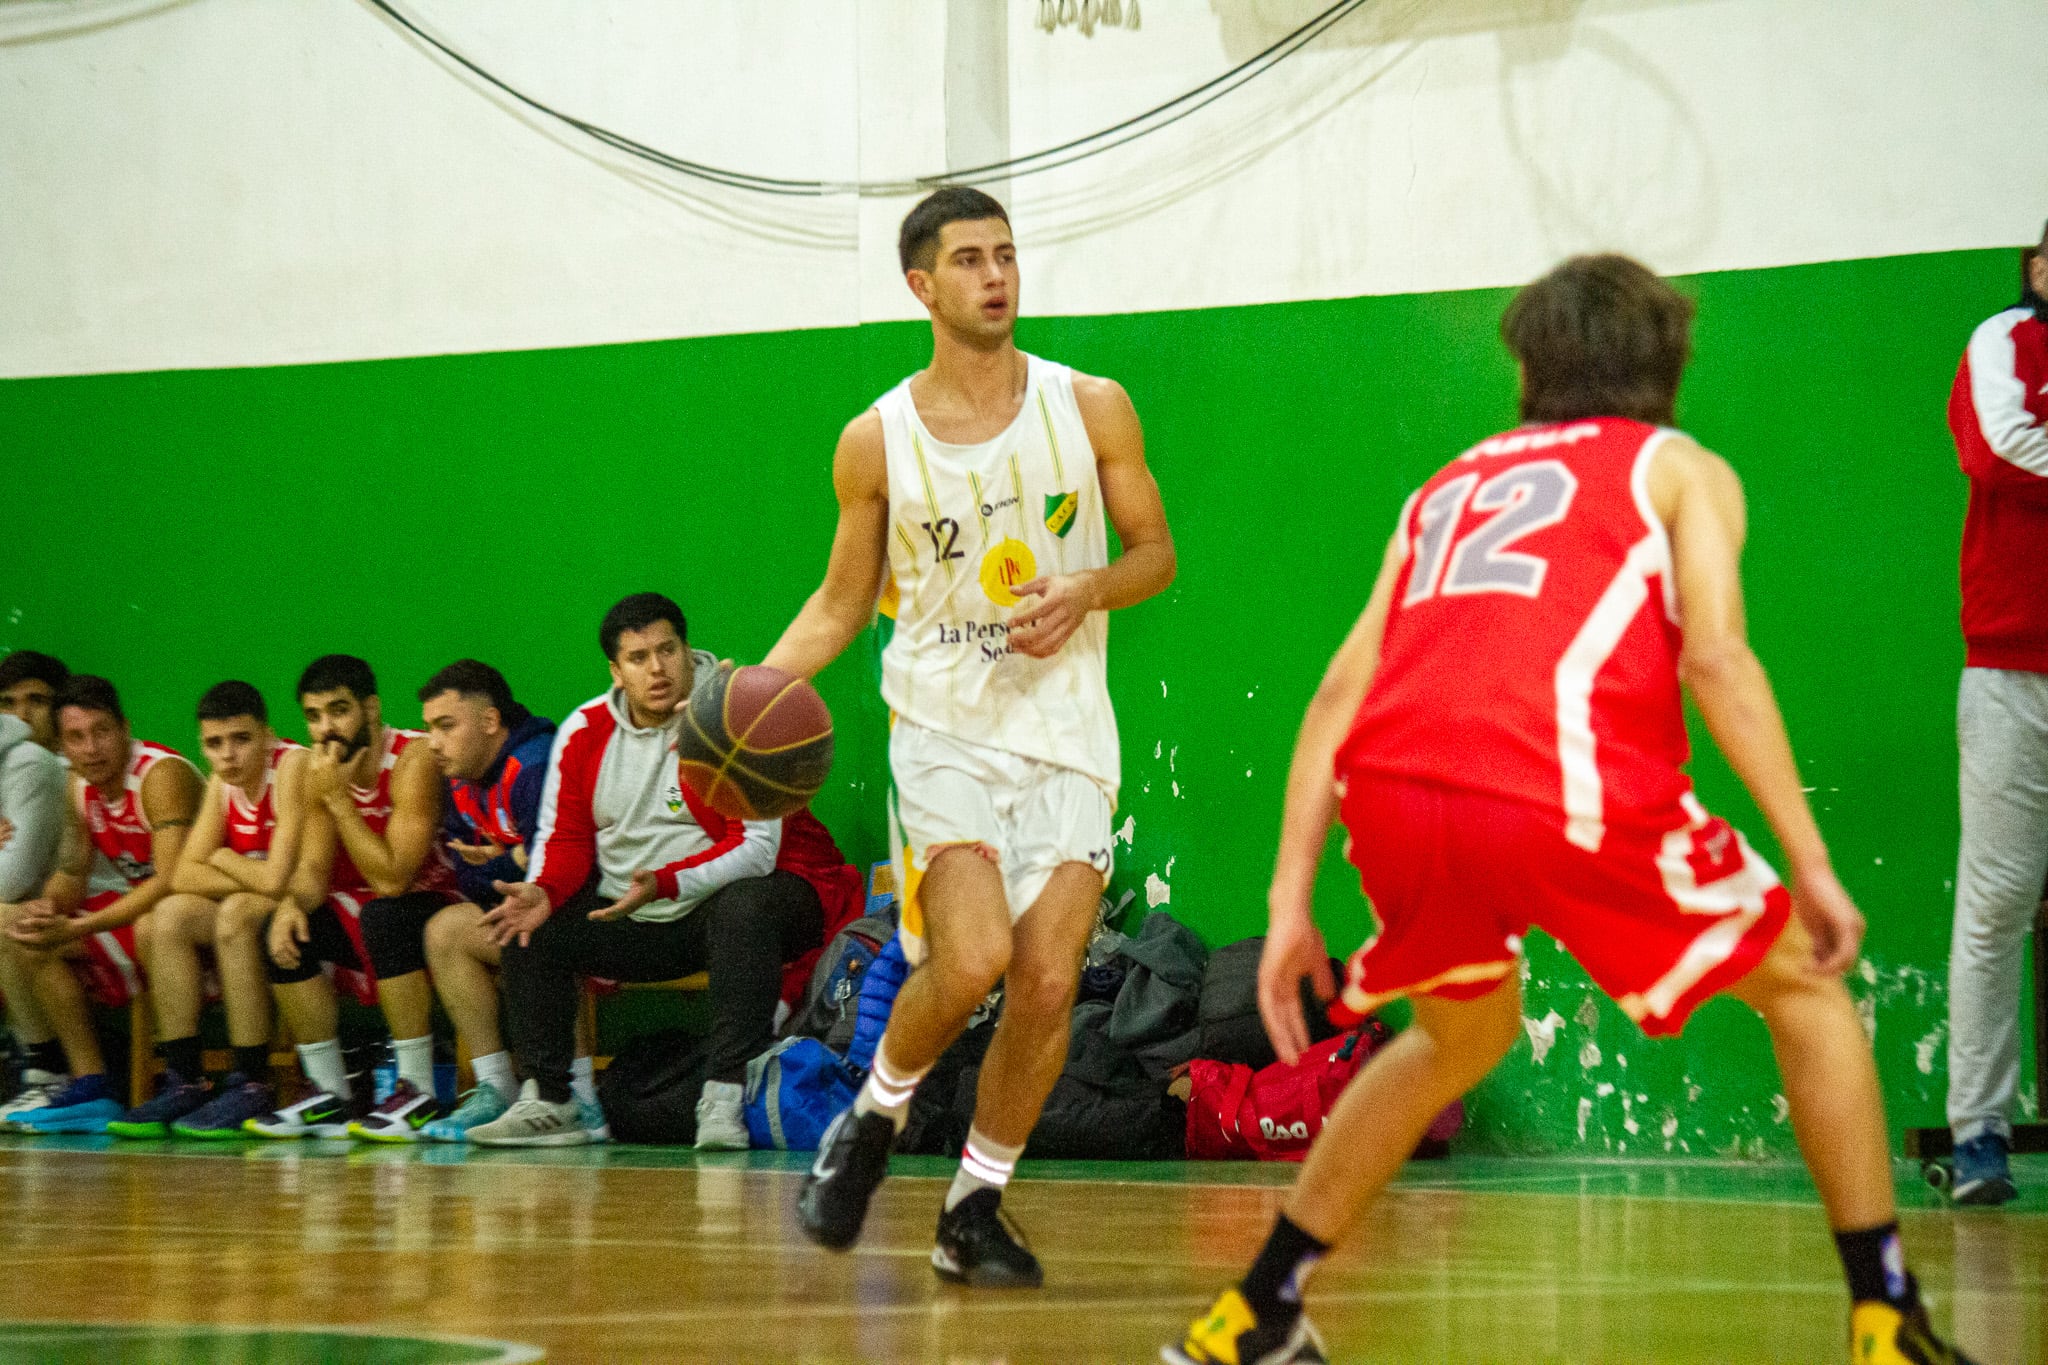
(38, 1088)
(533, 1122)
(721, 1118)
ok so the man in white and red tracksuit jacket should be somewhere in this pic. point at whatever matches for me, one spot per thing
(632, 878)
(1999, 415)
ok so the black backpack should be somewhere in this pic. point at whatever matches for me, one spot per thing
(650, 1090)
(1228, 1016)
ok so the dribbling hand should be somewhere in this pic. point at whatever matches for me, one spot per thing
(524, 909)
(1294, 951)
(1830, 918)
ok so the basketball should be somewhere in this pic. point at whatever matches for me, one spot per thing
(756, 743)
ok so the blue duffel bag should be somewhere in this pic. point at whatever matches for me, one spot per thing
(794, 1090)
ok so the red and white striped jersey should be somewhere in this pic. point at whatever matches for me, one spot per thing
(248, 825)
(373, 803)
(1531, 648)
(120, 830)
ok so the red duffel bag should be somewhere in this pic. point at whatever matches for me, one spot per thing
(1273, 1114)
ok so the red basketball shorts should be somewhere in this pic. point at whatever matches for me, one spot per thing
(1666, 913)
(108, 963)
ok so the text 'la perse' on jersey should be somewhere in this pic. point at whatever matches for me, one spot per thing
(967, 525)
(1532, 643)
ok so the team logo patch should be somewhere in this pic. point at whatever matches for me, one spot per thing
(675, 799)
(1007, 564)
(1059, 512)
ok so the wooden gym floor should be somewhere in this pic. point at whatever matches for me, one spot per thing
(622, 1254)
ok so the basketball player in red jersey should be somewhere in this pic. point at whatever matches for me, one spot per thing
(1504, 732)
(230, 876)
(373, 804)
(133, 803)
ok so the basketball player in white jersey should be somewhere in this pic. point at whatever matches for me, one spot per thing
(980, 486)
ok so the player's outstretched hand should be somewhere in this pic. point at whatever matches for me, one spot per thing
(524, 909)
(1294, 950)
(1043, 626)
(1831, 918)
(645, 889)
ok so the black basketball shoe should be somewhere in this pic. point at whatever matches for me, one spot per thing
(853, 1156)
(978, 1245)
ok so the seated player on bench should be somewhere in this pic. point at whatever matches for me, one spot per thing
(85, 939)
(368, 867)
(232, 872)
(493, 755)
(34, 791)
(677, 888)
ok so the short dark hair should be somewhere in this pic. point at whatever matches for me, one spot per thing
(226, 700)
(330, 671)
(917, 243)
(89, 692)
(475, 678)
(638, 612)
(21, 665)
(1599, 336)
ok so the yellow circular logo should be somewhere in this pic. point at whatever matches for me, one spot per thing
(1007, 564)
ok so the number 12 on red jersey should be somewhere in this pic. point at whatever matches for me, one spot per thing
(1526, 499)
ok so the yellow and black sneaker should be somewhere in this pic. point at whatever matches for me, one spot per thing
(1230, 1334)
(1880, 1334)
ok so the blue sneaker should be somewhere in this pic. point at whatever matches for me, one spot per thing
(84, 1106)
(220, 1119)
(1983, 1172)
(591, 1116)
(175, 1097)
(480, 1105)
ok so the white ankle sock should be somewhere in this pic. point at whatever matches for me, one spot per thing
(887, 1090)
(416, 1061)
(324, 1068)
(583, 1080)
(985, 1164)
(495, 1071)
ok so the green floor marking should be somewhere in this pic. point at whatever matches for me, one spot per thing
(61, 1343)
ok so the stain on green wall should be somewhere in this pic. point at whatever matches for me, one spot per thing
(173, 529)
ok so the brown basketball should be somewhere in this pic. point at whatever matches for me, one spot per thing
(756, 743)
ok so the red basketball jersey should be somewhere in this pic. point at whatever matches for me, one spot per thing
(373, 803)
(249, 825)
(120, 830)
(1532, 644)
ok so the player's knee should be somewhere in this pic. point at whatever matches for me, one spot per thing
(240, 919)
(971, 971)
(448, 931)
(1039, 992)
(395, 938)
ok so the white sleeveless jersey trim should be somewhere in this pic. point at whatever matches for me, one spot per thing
(238, 801)
(968, 524)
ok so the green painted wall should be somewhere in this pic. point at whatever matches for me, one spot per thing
(171, 529)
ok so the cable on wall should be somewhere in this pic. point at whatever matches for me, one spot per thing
(1153, 120)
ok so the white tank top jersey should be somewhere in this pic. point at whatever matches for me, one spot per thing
(967, 525)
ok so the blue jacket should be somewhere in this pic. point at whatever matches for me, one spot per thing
(502, 807)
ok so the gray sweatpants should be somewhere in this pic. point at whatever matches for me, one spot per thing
(2002, 733)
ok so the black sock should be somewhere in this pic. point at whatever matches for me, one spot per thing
(253, 1062)
(47, 1056)
(1273, 1285)
(1876, 1266)
(182, 1056)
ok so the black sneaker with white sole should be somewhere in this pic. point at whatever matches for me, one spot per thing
(853, 1156)
(979, 1244)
